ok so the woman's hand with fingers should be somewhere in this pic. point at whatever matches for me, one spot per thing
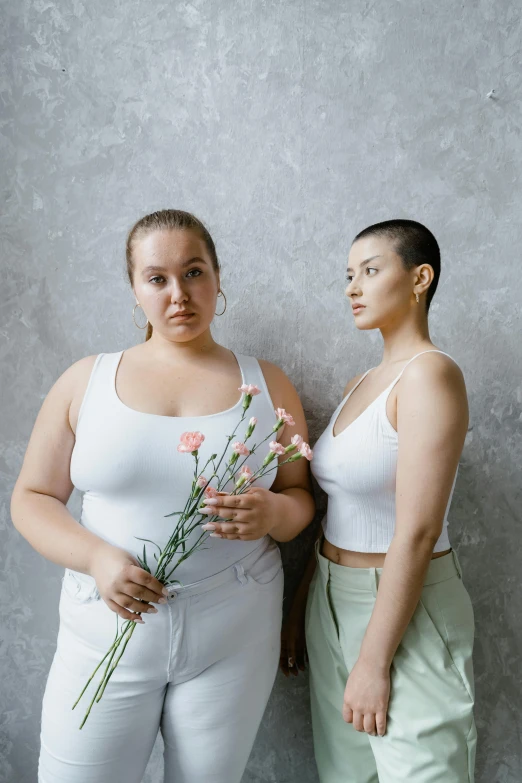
(126, 588)
(366, 698)
(249, 516)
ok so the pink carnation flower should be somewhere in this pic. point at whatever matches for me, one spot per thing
(249, 389)
(201, 482)
(210, 492)
(306, 451)
(241, 449)
(246, 472)
(282, 414)
(190, 441)
(297, 441)
(277, 448)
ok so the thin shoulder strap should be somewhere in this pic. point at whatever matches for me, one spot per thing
(361, 379)
(430, 350)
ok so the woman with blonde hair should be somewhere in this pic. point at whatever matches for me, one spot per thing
(203, 668)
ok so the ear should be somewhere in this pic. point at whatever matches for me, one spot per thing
(424, 275)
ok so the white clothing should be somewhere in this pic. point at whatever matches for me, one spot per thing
(127, 465)
(357, 469)
(200, 671)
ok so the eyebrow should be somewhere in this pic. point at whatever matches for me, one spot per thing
(151, 268)
(363, 263)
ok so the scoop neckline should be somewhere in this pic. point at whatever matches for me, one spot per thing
(174, 418)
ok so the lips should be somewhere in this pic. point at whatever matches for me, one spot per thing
(182, 314)
(357, 307)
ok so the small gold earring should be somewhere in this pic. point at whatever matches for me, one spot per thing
(220, 293)
(134, 317)
(417, 298)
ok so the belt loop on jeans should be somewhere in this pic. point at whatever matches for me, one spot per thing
(374, 581)
(457, 564)
(240, 573)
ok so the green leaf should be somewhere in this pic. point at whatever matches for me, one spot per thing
(149, 542)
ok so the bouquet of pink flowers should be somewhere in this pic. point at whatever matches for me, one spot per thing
(177, 548)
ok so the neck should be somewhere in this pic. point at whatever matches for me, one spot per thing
(187, 351)
(405, 338)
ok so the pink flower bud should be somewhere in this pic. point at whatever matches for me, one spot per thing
(286, 417)
(240, 448)
(245, 474)
(249, 389)
(190, 441)
(201, 482)
(252, 422)
(306, 451)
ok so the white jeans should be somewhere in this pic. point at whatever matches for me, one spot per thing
(200, 671)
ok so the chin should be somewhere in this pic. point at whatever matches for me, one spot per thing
(363, 324)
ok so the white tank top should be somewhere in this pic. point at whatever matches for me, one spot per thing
(357, 470)
(127, 465)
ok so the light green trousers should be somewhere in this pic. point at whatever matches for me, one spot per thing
(430, 734)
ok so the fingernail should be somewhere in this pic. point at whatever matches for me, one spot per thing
(165, 591)
(215, 535)
(138, 620)
(211, 501)
(206, 510)
(162, 600)
(152, 610)
(208, 526)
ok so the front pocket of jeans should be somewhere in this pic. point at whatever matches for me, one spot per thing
(265, 571)
(430, 630)
(79, 589)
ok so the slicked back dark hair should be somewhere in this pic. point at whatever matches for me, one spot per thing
(414, 243)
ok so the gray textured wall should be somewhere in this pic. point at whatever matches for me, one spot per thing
(287, 127)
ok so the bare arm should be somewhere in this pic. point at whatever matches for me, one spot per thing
(293, 483)
(41, 492)
(432, 419)
(43, 487)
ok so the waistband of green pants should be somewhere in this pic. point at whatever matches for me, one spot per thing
(441, 568)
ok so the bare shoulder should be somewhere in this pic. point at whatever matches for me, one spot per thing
(434, 382)
(435, 371)
(281, 388)
(67, 384)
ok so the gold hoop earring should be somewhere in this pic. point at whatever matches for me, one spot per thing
(220, 293)
(134, 317)
(417, 298)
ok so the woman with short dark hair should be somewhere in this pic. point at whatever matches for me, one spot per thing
(389, 623)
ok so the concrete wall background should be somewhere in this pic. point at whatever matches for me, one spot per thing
(287, 127)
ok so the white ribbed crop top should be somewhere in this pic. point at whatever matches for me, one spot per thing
(357, 470)
(131, 474)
